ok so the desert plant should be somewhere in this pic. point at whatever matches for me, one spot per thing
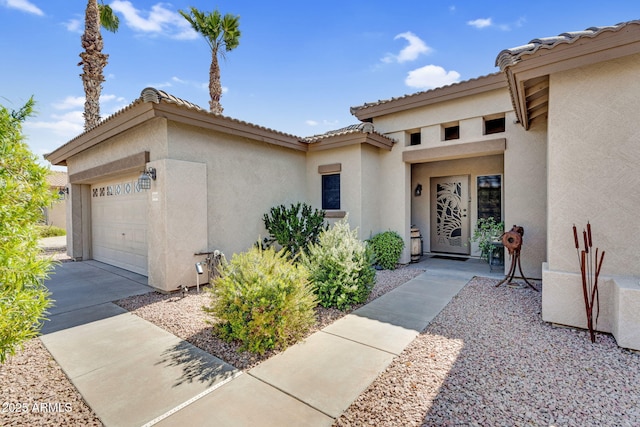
(387, 248)
(24, 192)
(340, 267)
(262, 300)
(487, 231)
(293, 228)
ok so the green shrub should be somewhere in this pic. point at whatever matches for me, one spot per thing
(340, 267)
(262, 300)
(487, 230)
(50, 231)
(387, 248)
(24, 192)
(293, 228)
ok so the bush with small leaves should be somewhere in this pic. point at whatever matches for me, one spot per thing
(387, 248)
(293, 228)
(340, 267)
(24, 192)
(262, 300)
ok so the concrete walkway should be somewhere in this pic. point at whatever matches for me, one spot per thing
(133, 373)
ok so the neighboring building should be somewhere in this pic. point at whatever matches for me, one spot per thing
(56, 214)
(550, 141)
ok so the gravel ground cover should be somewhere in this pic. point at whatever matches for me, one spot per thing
(35, 391)
(488, 359)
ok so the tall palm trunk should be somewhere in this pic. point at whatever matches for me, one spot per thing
(215, 88)
(93, 62)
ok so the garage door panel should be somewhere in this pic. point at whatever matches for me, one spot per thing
(119, 229)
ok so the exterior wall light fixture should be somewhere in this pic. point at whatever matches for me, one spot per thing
(418, 190)
(144, 181)
(62, 192)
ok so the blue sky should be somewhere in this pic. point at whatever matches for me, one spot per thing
(300, 64)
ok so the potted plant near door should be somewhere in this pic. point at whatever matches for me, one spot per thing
(486, 233)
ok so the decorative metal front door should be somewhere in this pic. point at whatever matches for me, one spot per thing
(450, 214)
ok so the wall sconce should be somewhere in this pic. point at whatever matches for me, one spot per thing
(144, 181)
(418, 190)
(62, 192)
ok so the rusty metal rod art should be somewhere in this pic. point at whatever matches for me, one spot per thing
(590, 267)
(512, 240)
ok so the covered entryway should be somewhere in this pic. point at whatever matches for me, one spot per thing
(452, 198)
(119, 223)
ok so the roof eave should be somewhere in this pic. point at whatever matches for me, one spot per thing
(337, 141)
(446, 93)
(139, 112)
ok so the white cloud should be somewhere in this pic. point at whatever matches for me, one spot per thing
(178, 81)
(23, 5)
(157, 21)
(488, 22)
(431, 76)
(74, 26)
(67, 125)
(410, 52)
(311, 123)
(71, 122)
(70, 102)
(480, 23)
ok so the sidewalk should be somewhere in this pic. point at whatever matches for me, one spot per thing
(133, 373)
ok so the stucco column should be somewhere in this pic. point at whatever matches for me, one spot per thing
(79, 222)
(177, 227)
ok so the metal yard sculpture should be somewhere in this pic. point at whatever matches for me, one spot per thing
(512, 240)
(590, 265)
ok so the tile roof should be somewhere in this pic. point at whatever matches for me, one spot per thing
(57, 179)
(407, 99)
(511, 56)
(151, 94)
(351, 129)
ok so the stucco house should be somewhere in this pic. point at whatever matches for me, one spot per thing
(544, 143)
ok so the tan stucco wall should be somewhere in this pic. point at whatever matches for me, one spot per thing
(370, 176)
(56, 214)
(177, 217)
(525, 191)
(150, 136)
(350, 159)
(594, 173)
(394, 194)
(245, 179)
(594, 163)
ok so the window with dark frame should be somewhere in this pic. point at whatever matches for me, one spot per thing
(494, 126)
(490, 197)
(331, 191)
(415, 138)
(451, 132)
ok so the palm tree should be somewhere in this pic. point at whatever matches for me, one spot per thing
(222, 33)
(93, 60)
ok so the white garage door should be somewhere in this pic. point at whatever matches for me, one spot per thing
(119, 224)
